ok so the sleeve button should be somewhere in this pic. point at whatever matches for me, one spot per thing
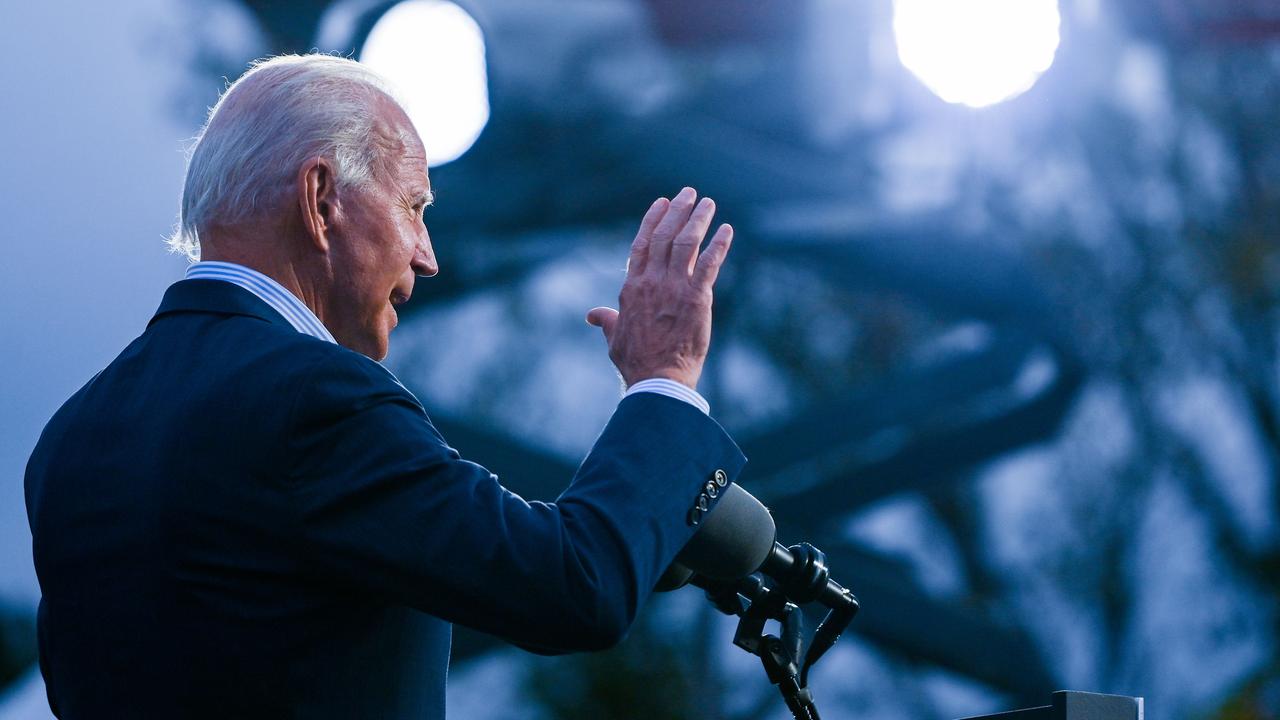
(694, 517)
(721, 478)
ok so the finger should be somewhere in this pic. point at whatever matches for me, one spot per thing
(677, 215)
(603, 318)
(708, 267)
(640, 246)
(685, 247)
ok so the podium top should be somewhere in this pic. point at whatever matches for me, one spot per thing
(1072, 705)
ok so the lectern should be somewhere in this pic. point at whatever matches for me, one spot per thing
(1069, 705)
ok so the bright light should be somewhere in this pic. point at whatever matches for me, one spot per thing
(976, 52)
(432, 52)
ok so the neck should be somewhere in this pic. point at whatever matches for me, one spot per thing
(266, 257)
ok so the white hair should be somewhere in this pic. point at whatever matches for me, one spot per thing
(281, 112)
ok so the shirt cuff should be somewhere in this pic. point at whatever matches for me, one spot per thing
(671, 389)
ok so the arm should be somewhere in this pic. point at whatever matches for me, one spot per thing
(386, 508)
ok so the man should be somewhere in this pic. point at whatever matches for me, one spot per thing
(245, 515)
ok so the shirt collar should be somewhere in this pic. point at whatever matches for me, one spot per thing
(266, 290)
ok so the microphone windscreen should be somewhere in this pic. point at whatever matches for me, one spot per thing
(735, 538)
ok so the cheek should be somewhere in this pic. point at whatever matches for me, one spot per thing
(401, 259)
(409, 241)
(390, 263)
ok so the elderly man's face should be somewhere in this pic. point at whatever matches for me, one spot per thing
(383, 244)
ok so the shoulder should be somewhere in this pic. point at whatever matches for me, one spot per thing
(329, 382)
(348, 414)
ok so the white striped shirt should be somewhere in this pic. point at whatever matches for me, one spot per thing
(265, 289)
(304, 321)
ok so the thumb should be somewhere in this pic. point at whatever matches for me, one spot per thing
(603, 318)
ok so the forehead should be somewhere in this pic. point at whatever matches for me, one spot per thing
(410, 169)
(403, 152)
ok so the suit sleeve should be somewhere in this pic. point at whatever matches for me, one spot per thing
(386, 507)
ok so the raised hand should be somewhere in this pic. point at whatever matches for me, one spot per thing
(662, 328)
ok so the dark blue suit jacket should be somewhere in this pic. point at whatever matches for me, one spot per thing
(234, 519)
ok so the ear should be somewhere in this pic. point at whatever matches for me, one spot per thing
(318, 200)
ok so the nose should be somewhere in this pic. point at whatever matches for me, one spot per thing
(424, 258)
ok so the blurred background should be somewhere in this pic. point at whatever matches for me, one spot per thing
(1000, 331)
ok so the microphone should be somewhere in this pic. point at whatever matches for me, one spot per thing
(737, 538)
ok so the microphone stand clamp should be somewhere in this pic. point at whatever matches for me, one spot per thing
(756, 600)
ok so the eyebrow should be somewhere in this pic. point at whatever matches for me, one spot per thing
(426, 197)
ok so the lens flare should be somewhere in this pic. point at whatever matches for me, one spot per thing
(976, 52)
(432, 51)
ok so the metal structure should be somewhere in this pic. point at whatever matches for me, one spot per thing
(727, 109)
(742, 136)
(717, 94)
(1184, 23)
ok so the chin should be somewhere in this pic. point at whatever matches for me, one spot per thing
(375, 341)
(380, 346)
(374, 346)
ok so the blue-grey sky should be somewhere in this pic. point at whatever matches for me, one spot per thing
(92, 152)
